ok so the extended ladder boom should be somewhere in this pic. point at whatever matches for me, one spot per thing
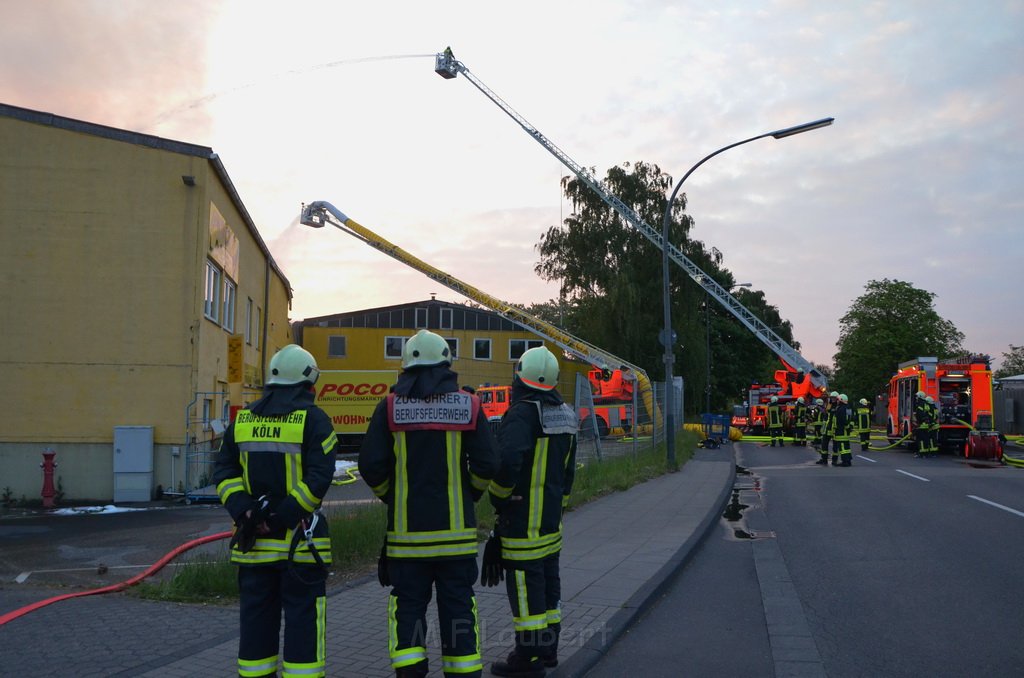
(320, 213)
(448, 67)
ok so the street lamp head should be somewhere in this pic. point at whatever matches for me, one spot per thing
(806, 127)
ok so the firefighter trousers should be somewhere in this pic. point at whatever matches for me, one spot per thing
(265, 591)
(412, 583)
(534, 590)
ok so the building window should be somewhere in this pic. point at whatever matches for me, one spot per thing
(453, 346)
(446, 318)
(517, 347)
(207, 413)
(211, 303)
(229, 305)
(248, 321)
(393, 347)
(336, 347)
(481, 349)
(421, 318)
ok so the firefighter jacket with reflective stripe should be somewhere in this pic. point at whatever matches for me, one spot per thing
(775, 416)
(923, 414)
(863, 418)
(289, 459)
(537, 440)
(800, 415)
(429, 459)
(839, 422)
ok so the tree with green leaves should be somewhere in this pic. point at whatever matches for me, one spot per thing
(611, 280)
(890, 323)
(1013, 363)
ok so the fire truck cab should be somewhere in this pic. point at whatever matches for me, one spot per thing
(962, 390)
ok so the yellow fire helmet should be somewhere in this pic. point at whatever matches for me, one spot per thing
(538, 369)
(863, 401)
(425, 349)
(293, 365)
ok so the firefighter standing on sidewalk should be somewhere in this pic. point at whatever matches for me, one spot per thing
(775, 421)
(537, 439)
(274, 467)
(428, 454)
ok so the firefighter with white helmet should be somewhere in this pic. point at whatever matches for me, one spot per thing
(428, 454)
(841, 441)
(275, 465)
(817, 423)
(537, 439)
(800, 414)
(775, 421)
(827, 427)
(863, 419)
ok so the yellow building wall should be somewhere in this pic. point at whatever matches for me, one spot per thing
(102, 262)
(365, 348)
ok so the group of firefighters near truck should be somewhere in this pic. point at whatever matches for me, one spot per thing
(831, 421)
(429, 455)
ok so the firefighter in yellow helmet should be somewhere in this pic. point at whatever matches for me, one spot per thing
(775, 421)
(537, 439)
(275, 465)
(428, 455)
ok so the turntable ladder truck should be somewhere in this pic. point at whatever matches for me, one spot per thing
(448, 67)
(320, 213)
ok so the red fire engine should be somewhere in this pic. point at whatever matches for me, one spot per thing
(613, 402)
(790, 384)
(962, 390)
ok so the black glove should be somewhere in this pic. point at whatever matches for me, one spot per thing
(492, 572)
(382, 566)
(246, 525)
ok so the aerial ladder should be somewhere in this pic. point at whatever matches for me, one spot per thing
(320, 213)
(448, 67)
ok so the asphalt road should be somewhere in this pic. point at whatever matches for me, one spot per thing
(894, 567)
(43, 550)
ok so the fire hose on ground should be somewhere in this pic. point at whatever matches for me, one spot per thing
(113, 588)
(153, 569)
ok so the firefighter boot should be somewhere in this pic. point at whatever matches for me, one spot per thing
(823, 461)
(835, 459)
(520, 666)
(847, 459)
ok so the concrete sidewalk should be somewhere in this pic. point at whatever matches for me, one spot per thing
(618, 553)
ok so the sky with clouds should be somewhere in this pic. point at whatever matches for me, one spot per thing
(919, 179)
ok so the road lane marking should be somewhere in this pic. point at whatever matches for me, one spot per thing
(999, 506)
(907, 473)
(861, 456)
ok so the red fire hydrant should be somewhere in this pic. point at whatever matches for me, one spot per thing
(49, 492)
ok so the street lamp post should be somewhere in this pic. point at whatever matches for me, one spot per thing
(668, 338)
(707, 349)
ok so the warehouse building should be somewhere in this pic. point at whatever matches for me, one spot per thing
(140, 304)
